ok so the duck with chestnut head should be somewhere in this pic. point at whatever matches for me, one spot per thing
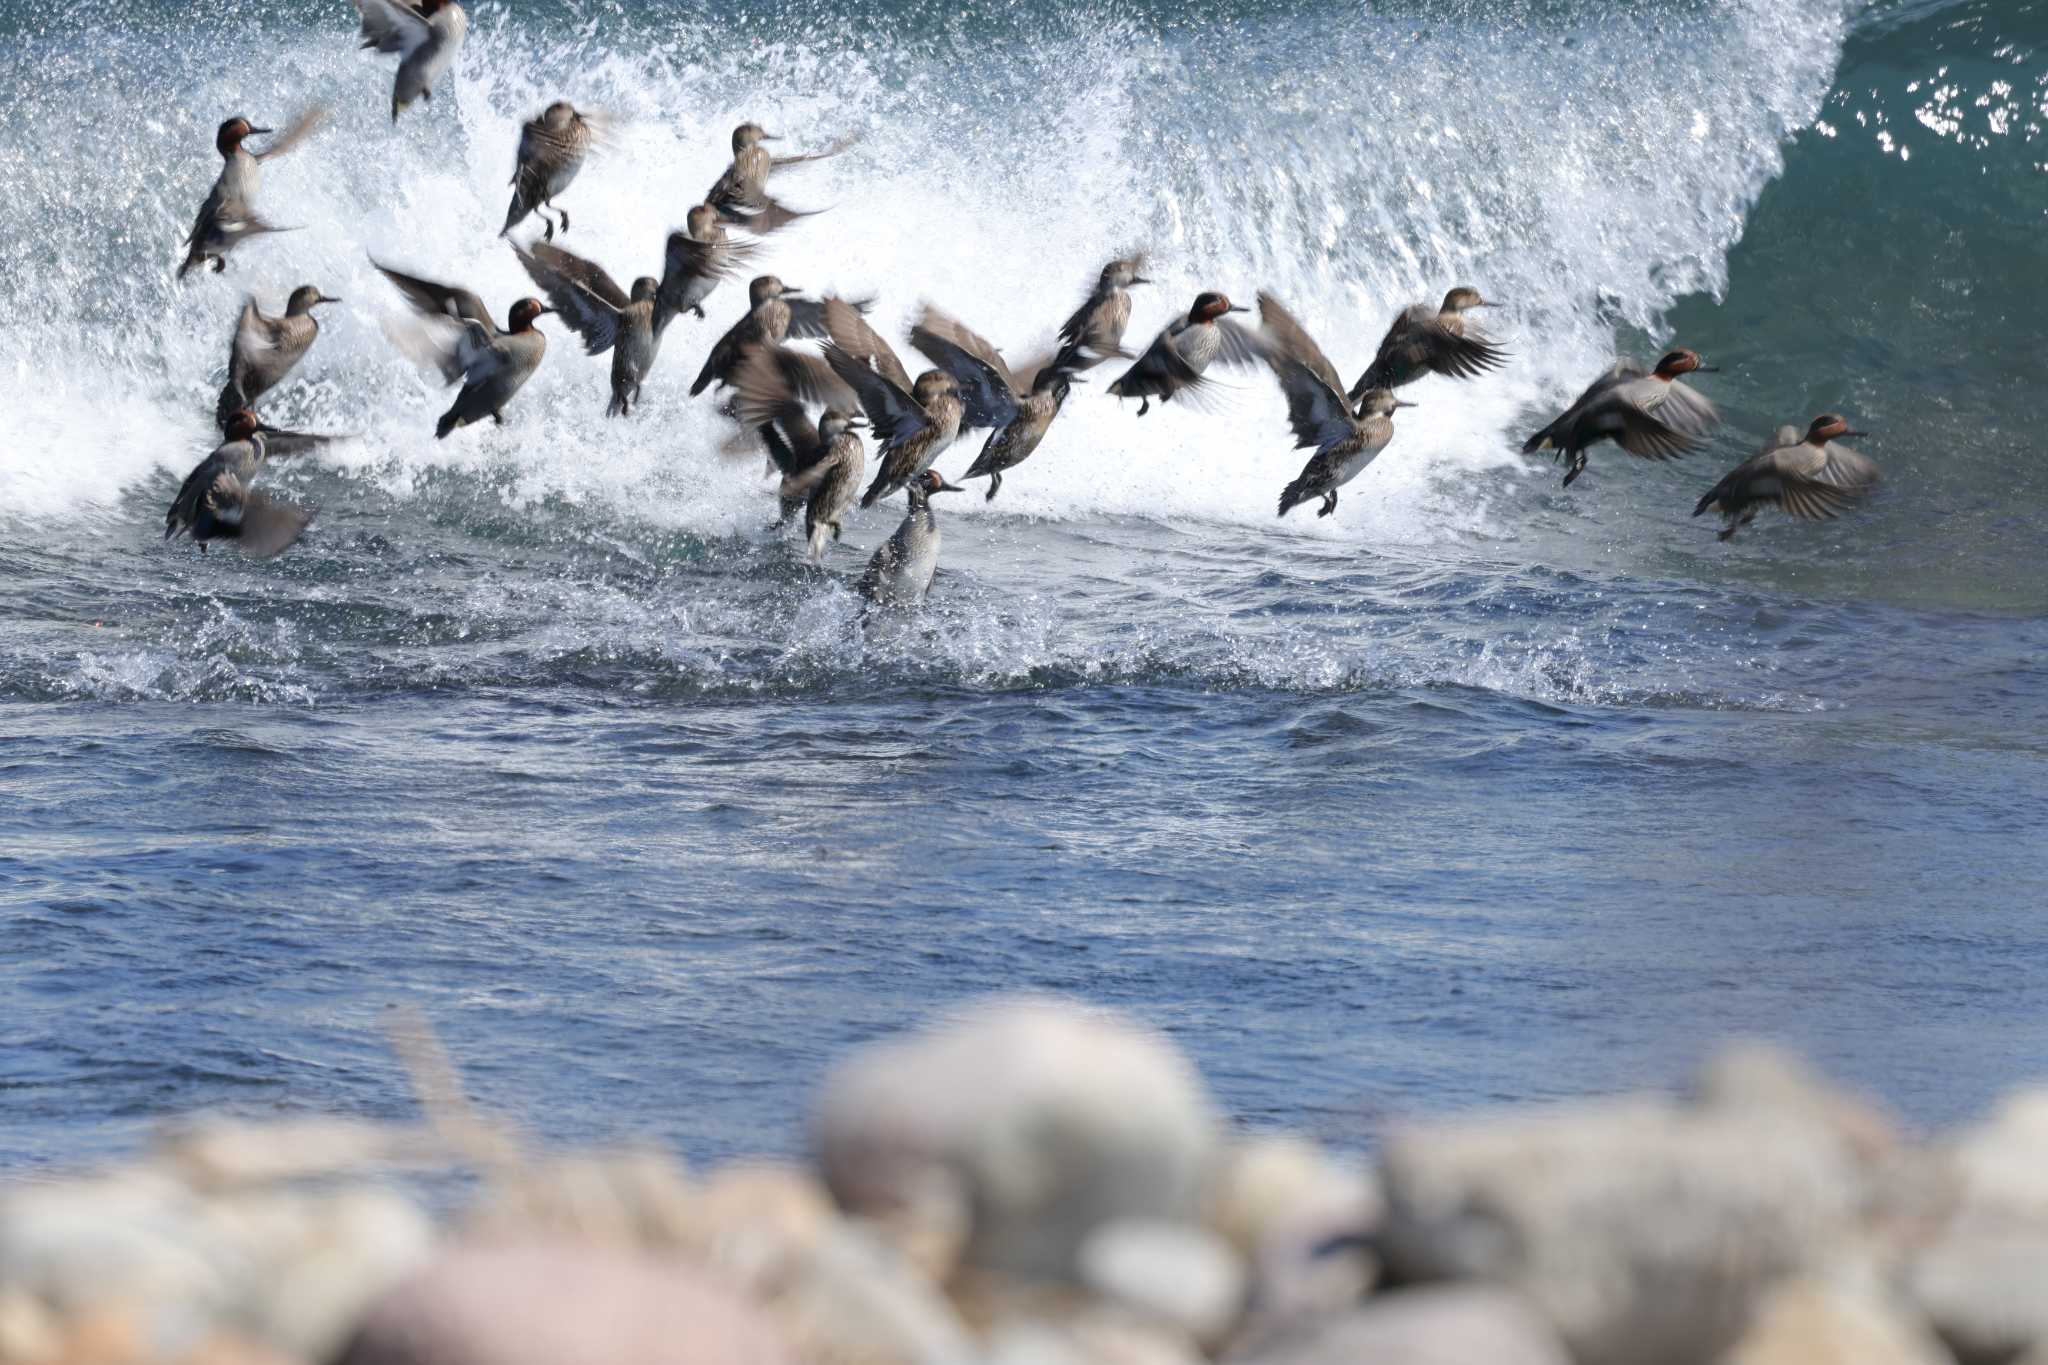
(228, 217)
(218, 502)
(1811, 477)
(1649, 413)
(455, 336)
(1176, 364)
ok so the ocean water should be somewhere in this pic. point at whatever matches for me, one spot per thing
(1478, 790)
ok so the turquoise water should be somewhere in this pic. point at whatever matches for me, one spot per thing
(1480, 789)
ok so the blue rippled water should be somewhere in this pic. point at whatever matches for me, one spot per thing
(1479, 789)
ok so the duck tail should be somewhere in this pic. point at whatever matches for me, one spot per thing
(449, 421)
(1713, 496)
(1543, 438)
(1295, 494)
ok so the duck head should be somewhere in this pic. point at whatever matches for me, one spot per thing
(748, 134)
(1210, 305)
(1830, 426)
(230, 134)
(933, 384)
(1379, 403)
(1124, 273)
(525, 312)
(242, 424)
(700, 221)
(1682, 361)
(934, 482)
(1463, 297)
(836, 422)
(304, 298)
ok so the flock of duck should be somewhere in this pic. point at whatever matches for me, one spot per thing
(855, 380)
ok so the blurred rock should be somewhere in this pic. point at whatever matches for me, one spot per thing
(1304, 1221)
(1092, 1335)
(1448, 1325)
(216, 1153)
(1982, 1277)
(1183, 1275)
(1807, 1322)
(549, 1303)
(848, 1298)
(1984, 1286)
(1645, 1232)
(754, 1219)
(1763, 1080)
(629, 1200)
(1271, 1187)
(279, 1269)
(1027, 1121)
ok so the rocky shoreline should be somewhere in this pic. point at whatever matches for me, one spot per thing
(1033, 1182)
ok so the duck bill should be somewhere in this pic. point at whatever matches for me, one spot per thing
(945, 487)
(326, 299)
(856, 424)
(1141, 279)
(259, 132)
(1237, 308)
(1706, 369)
(1403, 403)
(1854, 433)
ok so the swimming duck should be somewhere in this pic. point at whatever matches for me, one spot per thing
(1019, 406)
(697, 258)
(216, 501)
(266, 348)
(916, 422)
(1809, 477)
(1425, 340)
(1344, 441)
(551, 151)
(1646, 412)
(630, 326)
(425, 33)
(821, 466)
(1178, 360)
(228, 217)
(1096, 330)
(741, 194)
(460, 340)
(900, 574)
